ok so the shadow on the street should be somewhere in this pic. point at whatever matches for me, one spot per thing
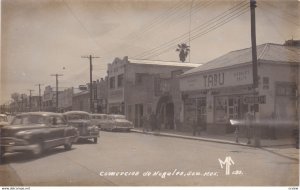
(84, 141)
(22, 157)
(278, 154)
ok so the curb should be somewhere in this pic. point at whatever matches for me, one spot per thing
(192, 138)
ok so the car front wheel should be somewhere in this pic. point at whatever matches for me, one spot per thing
(68, 145)
(38, 150)
(95, 140)
(1, 156)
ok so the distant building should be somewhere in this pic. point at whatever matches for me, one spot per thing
(49, 99)
(65, 99)
(221, 89)
(81, 101)
(34, 105)
(292, 42)
(138, 87)
(100, 95)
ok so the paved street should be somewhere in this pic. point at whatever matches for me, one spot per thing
(140, 154)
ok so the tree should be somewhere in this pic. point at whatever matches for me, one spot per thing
(183, 51)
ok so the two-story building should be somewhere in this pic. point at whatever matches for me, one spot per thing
(138, 87)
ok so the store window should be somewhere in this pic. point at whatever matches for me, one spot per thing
(120, 80)
(112, 82)
(221, 109)
(265, 83)
(286, 90)
(201, 110)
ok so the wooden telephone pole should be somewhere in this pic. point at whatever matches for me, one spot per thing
(56, 76)
(254, 71)
(40, 97)
(90, 57)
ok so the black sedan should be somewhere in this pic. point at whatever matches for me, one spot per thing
(36, 131)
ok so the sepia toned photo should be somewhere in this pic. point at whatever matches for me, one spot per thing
(200, 93)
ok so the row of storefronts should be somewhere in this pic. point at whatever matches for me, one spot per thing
(182, 94)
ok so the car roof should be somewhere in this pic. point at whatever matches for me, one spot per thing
(75, 112)
(41, 113)
(117, 115)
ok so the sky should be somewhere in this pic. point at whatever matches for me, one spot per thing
(44, 37)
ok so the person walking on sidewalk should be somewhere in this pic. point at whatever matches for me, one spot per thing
(249, 126)
(152, 121)
(145, 123)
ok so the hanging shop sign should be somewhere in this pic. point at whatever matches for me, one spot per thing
(254, 99)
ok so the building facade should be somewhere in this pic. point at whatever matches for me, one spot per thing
(221, 89)
(49, 99)
(137, 88)
(65, 100)
(81, 101)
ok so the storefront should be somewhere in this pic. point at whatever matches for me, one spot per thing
(221, 89)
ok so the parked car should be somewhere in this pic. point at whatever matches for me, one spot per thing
(101, 120)
(81, 120)
(118, 123)
(3, 120)
(35, 132)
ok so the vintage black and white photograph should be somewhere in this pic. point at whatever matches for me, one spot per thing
(97, 93)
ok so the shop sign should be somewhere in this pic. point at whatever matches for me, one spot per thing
(212, 80)
(255, 99)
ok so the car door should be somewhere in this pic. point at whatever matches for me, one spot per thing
(56, 132)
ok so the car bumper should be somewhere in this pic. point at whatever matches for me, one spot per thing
(19, 148)
(90, 135)
(121, 128)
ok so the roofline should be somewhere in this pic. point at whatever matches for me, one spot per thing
(215, 69)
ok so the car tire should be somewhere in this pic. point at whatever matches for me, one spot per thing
(1, 156)
(38, 151)
(95, 139)
(68, 145)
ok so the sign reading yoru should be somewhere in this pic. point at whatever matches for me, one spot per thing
(217, 79)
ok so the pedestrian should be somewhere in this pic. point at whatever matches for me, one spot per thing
(272, 128)
(145, 123)
(237, 132)
(152, 121)
(249, 126)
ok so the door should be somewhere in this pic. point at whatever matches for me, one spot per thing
(55, 137)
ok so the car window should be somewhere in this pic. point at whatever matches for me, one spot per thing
(28, 119)
(17, 120)
(3, 118)
(60, 121)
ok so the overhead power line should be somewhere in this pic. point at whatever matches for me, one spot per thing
(203, 33)
(218, 19)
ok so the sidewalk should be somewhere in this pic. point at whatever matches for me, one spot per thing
(224, 138)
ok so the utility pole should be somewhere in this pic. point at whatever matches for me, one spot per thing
(56, 76)
(30, 98)
(254, 71)
(90, 57)
(40, 97)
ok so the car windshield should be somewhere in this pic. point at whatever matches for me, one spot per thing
(77, 116)
(29, 119)
(3, 119)
(100, 117)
